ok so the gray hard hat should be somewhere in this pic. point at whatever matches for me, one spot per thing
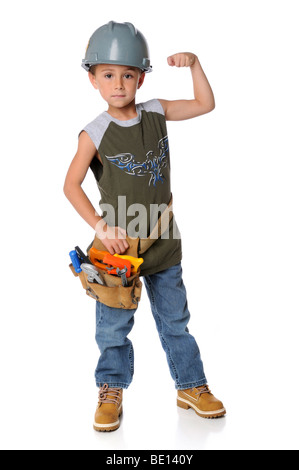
(118, 44)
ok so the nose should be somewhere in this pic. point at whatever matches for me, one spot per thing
(119, 83)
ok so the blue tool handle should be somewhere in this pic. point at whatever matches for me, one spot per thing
(76, 262)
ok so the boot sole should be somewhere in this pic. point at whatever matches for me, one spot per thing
(108, 427)
(203, 414)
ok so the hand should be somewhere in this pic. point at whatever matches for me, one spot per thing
(182, 59)
(113, 238)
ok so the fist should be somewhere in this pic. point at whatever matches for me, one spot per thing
(182, 59)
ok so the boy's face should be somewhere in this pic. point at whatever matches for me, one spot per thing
(117, 84)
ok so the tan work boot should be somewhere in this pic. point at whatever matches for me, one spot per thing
(109, 409)
(202, 401)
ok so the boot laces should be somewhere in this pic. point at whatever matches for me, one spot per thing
(201, 390)
(109, 395)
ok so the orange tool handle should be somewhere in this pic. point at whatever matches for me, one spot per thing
(97, 257)
(117, 263)
(103, 260)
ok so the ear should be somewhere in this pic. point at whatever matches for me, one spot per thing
(92, 79)
(141, 80)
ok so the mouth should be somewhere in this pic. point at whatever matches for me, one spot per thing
(118, 96)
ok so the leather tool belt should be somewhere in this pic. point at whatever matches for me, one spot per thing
(114, 293)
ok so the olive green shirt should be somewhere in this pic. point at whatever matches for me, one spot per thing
(134, 179)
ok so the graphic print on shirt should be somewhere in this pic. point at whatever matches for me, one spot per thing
(152, 166)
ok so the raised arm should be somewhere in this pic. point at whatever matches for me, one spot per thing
(203, 101)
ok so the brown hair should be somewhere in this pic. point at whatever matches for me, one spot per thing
(92, 69)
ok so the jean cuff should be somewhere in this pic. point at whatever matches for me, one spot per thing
(113, 385)
(199, 383)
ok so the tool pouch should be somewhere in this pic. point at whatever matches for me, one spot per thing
(114, 294)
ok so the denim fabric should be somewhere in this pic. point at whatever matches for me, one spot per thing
(167, 295)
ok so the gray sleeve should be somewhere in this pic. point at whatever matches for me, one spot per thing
(153, 106)
(96, 130)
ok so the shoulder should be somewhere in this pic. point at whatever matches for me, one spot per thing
(97, 128)
(153, 106)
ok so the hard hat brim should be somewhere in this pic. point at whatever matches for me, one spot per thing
(87, 65)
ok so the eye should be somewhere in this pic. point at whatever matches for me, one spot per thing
(108, 75)
(128, 76)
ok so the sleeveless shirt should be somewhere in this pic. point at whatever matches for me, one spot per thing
(134, 179)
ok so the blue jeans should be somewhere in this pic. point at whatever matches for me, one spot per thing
(167, 295)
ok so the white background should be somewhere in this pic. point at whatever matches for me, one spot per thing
(235, 169)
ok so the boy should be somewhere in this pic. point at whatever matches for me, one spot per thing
(127, 149)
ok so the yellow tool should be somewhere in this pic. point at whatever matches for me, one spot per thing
(135, 262)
